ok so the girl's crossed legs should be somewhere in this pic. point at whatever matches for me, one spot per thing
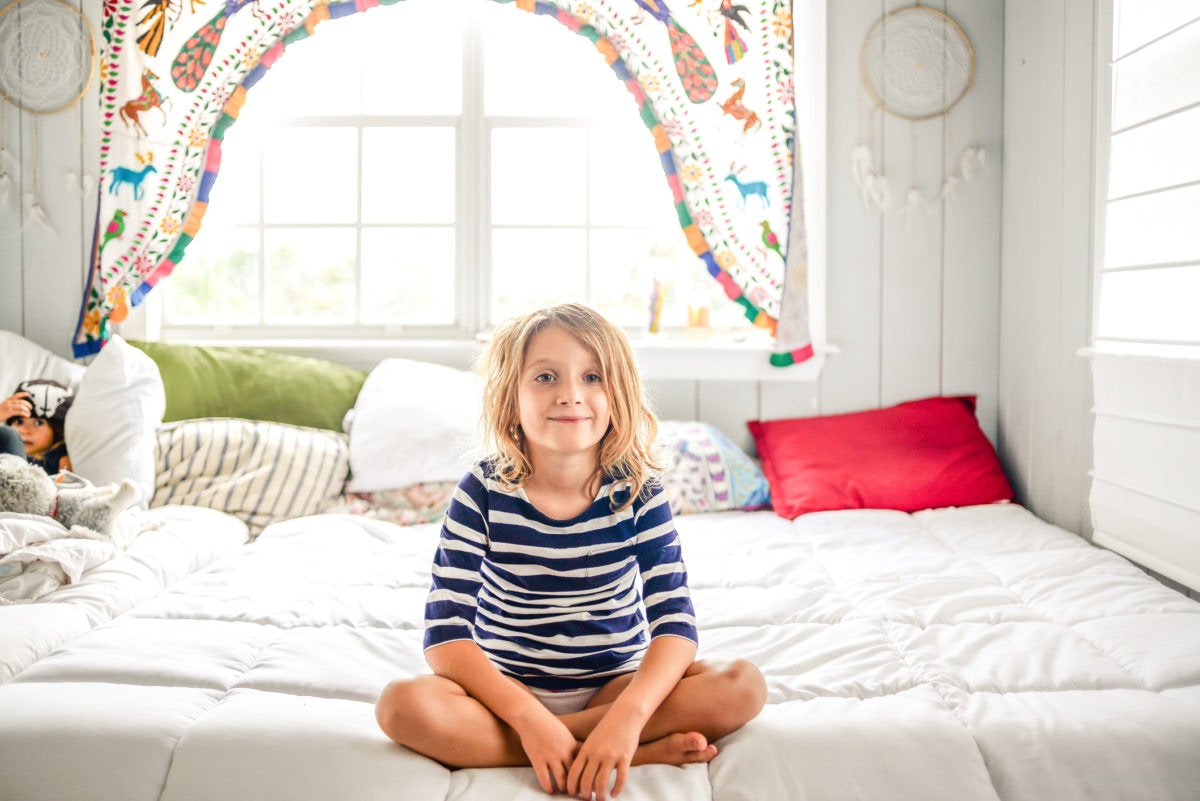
(436, 717)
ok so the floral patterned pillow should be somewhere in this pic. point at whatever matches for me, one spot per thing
(419, 503)
(707, 471)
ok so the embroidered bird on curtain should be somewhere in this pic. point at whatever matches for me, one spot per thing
(713, 81)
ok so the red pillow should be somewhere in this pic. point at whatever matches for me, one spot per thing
(923, 454)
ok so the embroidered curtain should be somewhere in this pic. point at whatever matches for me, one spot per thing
(713, 80)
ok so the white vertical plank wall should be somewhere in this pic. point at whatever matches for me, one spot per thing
(854, 234)
(12, 292)
(1045, 422)
(913, 305)
(971, 283)
(42, 272)
(911, 291)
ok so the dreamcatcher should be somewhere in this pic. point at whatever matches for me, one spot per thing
(917, 64)
(47, 57)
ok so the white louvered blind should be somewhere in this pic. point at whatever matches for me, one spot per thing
(1145, 497)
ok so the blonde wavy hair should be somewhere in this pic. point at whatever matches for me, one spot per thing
(626, 449)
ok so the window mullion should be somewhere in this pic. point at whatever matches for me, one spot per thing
(262, 234)
(473, 188)
(359, 288)
(588, 287)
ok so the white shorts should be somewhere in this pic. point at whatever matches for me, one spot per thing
(564, 702)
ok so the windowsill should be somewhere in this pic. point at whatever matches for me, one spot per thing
(671, 357)
(661, 357)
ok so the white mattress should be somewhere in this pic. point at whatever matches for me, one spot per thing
(957, 654)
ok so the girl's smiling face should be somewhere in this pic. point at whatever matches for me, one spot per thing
(562, 397)
(36, 435)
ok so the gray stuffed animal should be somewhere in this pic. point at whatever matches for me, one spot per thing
(86, 510)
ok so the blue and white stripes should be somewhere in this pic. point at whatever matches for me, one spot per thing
(557, 604)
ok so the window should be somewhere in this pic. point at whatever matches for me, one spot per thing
(1146, 360)
(426, 170)
(1150, 276)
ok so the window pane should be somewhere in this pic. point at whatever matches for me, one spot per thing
(1140, 21)
(310, 275)
(1150, 304)
(311, 175)
(424, 74)
(534, 65)
(234, 195)
(408, 276)
(303, 78)
(533, 268)
(1161, 153)
(538, 176)
(625, 265)
(627, 182)
(1146, 83)
(1153, 229)
(408, 175)
(220, 283)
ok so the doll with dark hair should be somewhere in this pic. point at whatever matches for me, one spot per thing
(34, 418)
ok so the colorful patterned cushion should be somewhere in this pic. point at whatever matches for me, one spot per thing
(419, 503)
(708, 472)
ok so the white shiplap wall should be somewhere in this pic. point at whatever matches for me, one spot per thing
(913, 305)
(42, 272)
(1045, 424)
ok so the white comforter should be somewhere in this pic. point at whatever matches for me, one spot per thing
(958, 654)
(79, 583)
(38, 555)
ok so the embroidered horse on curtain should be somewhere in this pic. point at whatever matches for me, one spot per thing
(713, 80)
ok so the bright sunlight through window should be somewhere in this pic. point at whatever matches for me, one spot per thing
(427, 170)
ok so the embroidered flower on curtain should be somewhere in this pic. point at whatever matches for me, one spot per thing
(713, 80)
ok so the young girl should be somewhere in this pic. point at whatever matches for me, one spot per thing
(34, 416)
(559, 626)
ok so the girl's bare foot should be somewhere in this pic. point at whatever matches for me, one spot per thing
(676, 749)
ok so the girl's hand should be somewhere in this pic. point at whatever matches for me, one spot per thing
(608, 749)
(15, 406)
(550, 747)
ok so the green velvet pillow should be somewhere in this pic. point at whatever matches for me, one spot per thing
(253, 384)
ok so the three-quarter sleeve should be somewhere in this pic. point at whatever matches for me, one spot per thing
(450, 606)
(665, 591)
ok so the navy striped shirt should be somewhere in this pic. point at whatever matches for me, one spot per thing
(557, 604)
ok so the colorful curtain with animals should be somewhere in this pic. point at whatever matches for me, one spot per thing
(713, 80)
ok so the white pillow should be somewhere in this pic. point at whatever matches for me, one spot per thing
(111, 425)
(413, 422)
(21, 360)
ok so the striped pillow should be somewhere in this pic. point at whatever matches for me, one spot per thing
(258, 471)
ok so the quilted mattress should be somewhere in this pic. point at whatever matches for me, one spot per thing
(956, 654)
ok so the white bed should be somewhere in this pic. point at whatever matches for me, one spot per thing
(958, 654)
(969, 652)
